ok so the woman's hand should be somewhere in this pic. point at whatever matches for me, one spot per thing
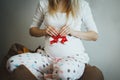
(65, 30)
(51, 31)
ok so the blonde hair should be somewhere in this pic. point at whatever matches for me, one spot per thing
(69, 6)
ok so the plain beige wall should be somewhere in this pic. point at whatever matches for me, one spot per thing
(16, 17)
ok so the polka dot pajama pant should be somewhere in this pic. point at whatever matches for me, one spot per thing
(68, 68)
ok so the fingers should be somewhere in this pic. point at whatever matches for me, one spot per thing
(65, 30)
(51, 31)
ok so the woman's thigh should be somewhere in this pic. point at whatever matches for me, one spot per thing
(68, 69)
(37, 63)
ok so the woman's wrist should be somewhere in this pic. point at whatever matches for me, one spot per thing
(44, 32)
(76, 33)
(72, 32)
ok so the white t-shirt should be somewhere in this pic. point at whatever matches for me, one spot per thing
(74, 45)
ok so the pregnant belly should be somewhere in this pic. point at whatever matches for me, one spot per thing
(72, 47)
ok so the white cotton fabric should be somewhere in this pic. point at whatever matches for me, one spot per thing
(40, 65)
(74, 45)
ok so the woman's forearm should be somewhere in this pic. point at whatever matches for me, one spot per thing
(89, 35)
(36, 32)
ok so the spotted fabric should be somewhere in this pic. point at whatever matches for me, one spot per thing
(69, 68)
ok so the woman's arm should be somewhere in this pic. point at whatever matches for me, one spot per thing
(89, 35)
(37, 32)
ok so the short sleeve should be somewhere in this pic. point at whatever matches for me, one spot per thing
(87, 17)
(39, 14)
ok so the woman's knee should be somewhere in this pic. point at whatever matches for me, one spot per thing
(11, 64)
(68, 70)
(15, 61)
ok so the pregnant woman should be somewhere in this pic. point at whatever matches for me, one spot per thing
(64, 56)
